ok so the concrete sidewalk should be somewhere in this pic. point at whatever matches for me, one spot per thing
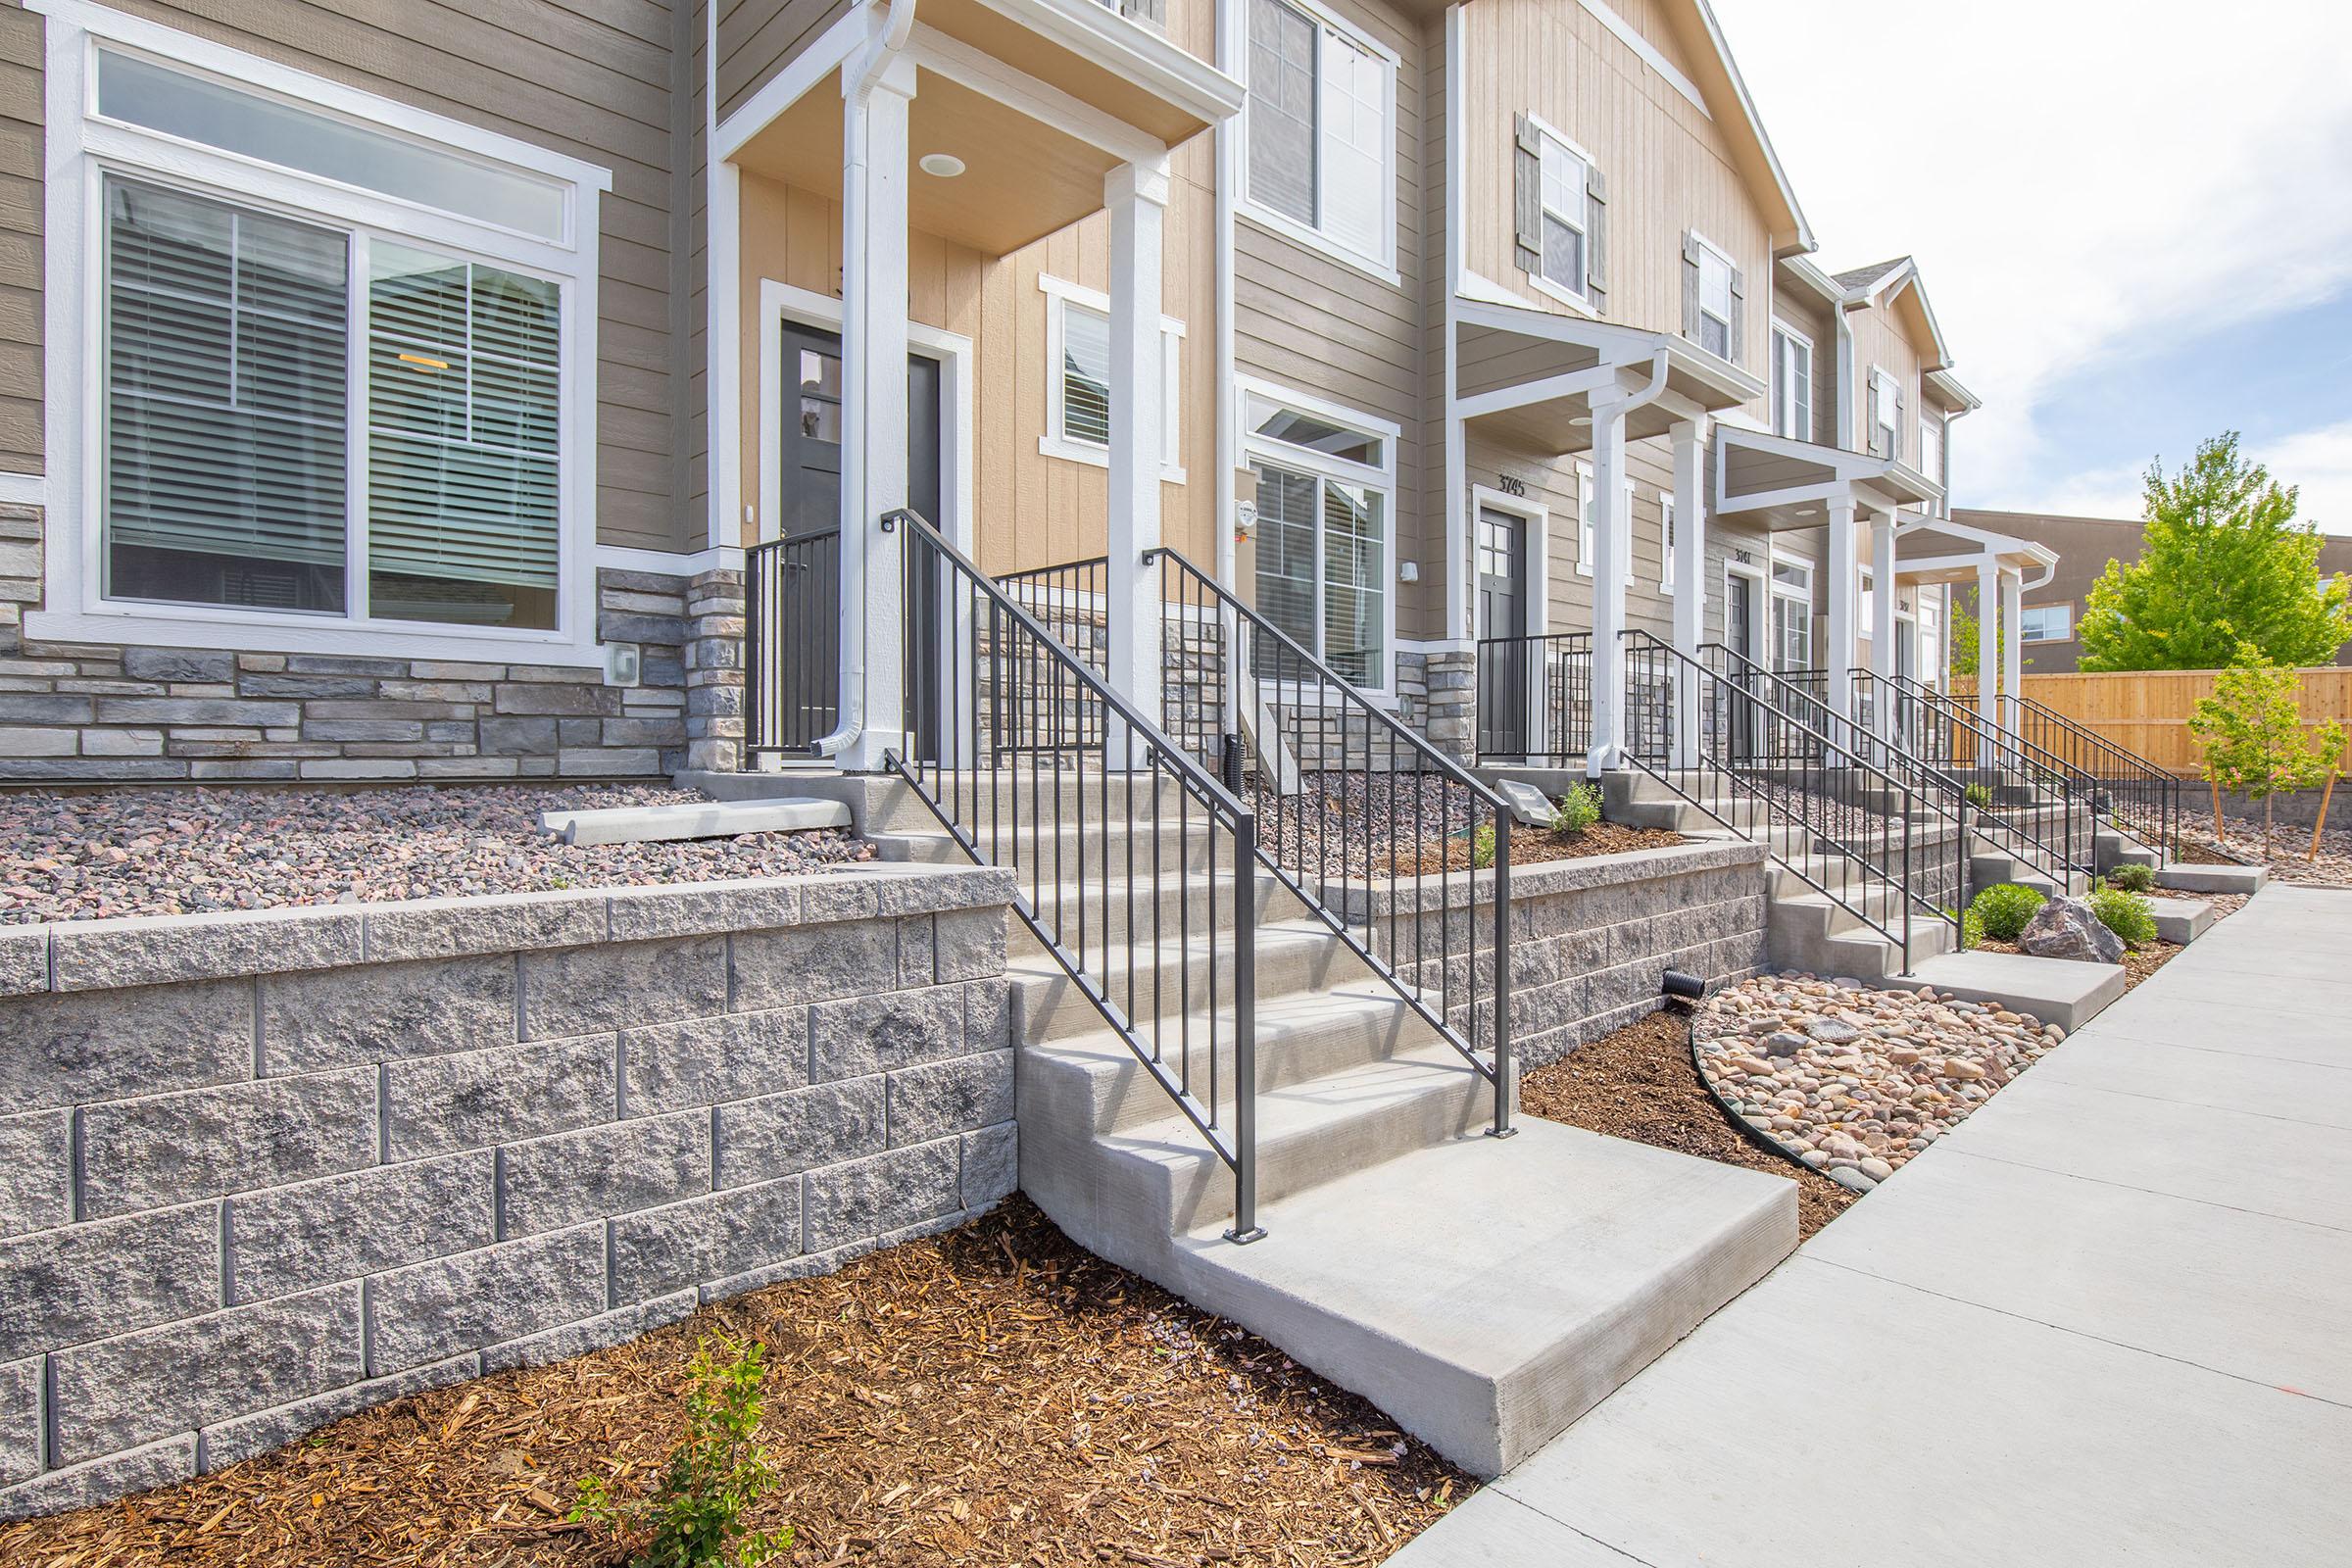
(2107, 1320)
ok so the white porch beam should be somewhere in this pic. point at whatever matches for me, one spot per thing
(2013, 657)
(1610, 553)
(1690, 575)
(1568, 384)
(1882, 615)
(1136, 194)
(1040, 101)
(1844, 568)
(1988, 641)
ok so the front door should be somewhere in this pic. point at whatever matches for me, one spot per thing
(1740, 634)
(1504, 657)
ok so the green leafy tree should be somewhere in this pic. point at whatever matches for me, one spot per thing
(2224, 563)
(715, 1474)
(2254, 739)
(1964, 640)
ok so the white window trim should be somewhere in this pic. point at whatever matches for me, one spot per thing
(82, 147)
(1774, 592)
(1060, 294)
(1538, 517)
(1579, 300)
(1665, 541)
(1732, 271)
(1381, 476)
(2065, 607)
(1781, 327)
(1381, 265)
(1584, 540)
(1888, 404)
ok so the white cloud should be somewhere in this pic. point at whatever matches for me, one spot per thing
(2080, 180)
(2318, 463)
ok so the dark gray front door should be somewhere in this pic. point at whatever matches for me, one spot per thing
(1505, 659)
(1739, 614)
(1739, 635)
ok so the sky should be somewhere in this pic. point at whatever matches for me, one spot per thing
(2134, 222)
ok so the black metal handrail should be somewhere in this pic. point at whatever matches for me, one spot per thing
(979, 667)
(2140, 798)
(1359, 776)
(2023, 783)
(792, 643)
(1071, 600)
(1845, 827)
(1534, 696)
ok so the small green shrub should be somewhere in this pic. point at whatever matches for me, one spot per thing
(1979, 797)
(1482, 845)
(2132, 878)
(718, 1471)
(2001, 912)
(2125, 914)
(1578, 810)
(1972, 930)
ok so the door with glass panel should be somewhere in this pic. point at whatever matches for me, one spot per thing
(1505, 686)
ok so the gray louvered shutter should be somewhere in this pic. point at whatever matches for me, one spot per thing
(1155, 12)
(1738, 352)
(1896, 449)
(1691, 286)
(1527, 195)
(1869, 422)
(1596, 239)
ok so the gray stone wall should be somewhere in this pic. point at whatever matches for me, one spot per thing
(81, 711)
(259, 1171)
(1437, 694)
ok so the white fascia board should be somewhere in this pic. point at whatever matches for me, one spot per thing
(789, 85)
(1016, 90)
(1130, 51)
(1755, 121)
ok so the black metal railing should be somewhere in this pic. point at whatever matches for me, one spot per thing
(1120, 841)
(1369, 824)
(2033, 805)
(1852, 831)
(1534, 696)
(1069, 601)
(2144, 800)
(792, 643)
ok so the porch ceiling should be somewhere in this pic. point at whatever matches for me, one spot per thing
(1098, 57)
(1779, 483)
(1528, 377)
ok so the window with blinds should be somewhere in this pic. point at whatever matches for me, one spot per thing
(1085, 374)
(1078, 411)
(1322, 570)
(1317, 125)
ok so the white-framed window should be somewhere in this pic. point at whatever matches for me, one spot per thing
(1930, 447)
(1078, 378)
(1867, 602)
(1665, 543)
(1318, 133)
(2045, 623)
(1715, 313)
(1792, 614)
(338, 358)
(1931, 636)
(1326, 499)
(1566, 208)
(1587, 548)
(1791, 382)
(1886, 414)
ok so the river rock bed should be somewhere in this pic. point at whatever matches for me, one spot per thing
(1853, 1081)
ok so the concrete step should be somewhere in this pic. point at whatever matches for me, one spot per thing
(1293, 956)
(1487, 1293)
(2185, 878)
(2182, 920)
(1125, 848)
(2059, 990)
(1100, 915)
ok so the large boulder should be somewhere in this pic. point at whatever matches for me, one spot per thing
(2066, 928)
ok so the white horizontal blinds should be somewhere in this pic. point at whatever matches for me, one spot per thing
(1286, 562)
(1085, 373)
(227, 380)
(463, 396)
(1282, 109)
(1355, 91)
(1354, 583)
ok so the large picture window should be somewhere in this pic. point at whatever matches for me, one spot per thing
(1324, 493)
(1319, 132)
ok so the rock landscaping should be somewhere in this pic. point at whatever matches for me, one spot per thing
(2331, 867)
(992, 1396)
(1853, 1081)
(1346, 824)
(131, 851)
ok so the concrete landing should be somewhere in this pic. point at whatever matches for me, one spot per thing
(1486, 1293)
(2057, 991)
(2211, 878)
(2182, 920)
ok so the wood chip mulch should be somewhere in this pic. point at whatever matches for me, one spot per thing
(992, 1396)
(1640, 1084)
(1531, 846)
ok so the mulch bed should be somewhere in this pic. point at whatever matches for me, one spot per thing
(1639, 1083)
(1531, 846)
(992, 1396)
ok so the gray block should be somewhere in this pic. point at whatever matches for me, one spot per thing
(166, 1148)
(437, 1103)
(294, 1238)
(807, 964)
(19, 1421)
(23, 960)
(189, 665)
(702, 1061)
(663, 1250)
(518, 736)
(591, 1333)
(548, 1183)
(37, 1170)
(117, 1474)
(760, 1140)
(72, 1048)
(576, 991)
(988, 1015)
(859, 1036)
(991, 1167)
(949, 1097)
(383, 1011)
(969, 945)
(443, 928)
(917, 958)
(105, 955)
(84, 1282)
(646, 915)
(881, 1193)
(242, 1437)
(453, 1305)
(118, 1393)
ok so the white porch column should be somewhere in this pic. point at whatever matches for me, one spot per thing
(1610, 547)
(1882, 618)
(1844, 567)
(1689, 576)
(873, 409)
(2013, 657)
(1988, 643)
(1136, 194)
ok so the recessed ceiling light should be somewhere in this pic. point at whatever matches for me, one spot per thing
(1807, 512)
(1582, 419)
(947, 166)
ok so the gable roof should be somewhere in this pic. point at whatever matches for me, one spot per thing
(1884, 284)
(1864, 279)
(1718, 79)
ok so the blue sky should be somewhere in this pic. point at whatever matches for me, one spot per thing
(2133, 221)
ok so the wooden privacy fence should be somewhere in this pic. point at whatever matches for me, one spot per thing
(2146, 710)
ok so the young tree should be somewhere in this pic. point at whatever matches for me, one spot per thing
(2254, 740)
(2224, 563)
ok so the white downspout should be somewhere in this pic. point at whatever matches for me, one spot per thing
(1228, 414)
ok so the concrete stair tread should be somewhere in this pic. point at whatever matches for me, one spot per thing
(1304, 1111)
(1587, 1257)
(2059, 990)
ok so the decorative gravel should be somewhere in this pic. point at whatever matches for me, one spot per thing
(182, 852)
(1345, 822)
(1853, 1081)
(2331, 867)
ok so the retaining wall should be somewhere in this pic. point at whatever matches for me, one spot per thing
(259, 1171)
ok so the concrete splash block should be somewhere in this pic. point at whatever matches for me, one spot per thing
(2061, 991)
(693, 819)
(2185, 878)
(2182, 920)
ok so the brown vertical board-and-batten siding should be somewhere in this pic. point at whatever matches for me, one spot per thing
(591, 79)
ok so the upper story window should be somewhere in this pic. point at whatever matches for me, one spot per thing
(1931, 448)
(1885, 415)
(1078, 393)
(1791, 382)
(1560, 207)
(1714, 299)
(1320, 133)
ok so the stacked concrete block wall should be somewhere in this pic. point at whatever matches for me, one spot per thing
(259, 1171)
(78, 712)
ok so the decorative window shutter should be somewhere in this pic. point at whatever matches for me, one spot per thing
(1691, 286)
(1870, 418)
(1526, 162)
(1896, 449)
(1155, 12)
(1596, 239)
(1739, 317)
